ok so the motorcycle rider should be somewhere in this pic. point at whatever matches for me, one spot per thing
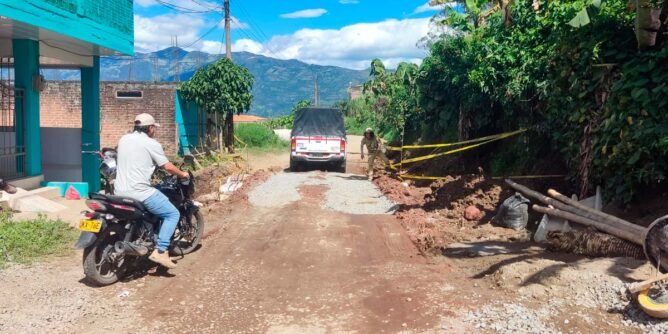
(138, 155)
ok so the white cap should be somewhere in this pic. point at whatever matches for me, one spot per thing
(145, 120)
(368, 130)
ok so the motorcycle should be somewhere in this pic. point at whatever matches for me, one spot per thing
(107, 158)
(119, 232)
(108, 169)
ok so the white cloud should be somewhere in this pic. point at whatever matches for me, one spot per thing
(247, 45)
(427, 7)
(235, 24)
(306, 13)
(349, 2)
(155, 33)
(211, 47)
(353, 46)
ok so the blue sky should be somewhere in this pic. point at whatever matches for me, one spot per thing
(346, 33)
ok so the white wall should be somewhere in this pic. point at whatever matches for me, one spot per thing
(61, 154)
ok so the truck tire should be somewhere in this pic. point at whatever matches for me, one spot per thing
(342, 168)
(294, 166)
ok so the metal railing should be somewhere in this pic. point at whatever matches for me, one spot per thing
(12, 129)
(12, 163)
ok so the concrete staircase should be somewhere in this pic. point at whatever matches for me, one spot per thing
(43, 201)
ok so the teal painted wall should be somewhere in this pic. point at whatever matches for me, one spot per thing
(90, 124)
(188, 124)
(107, 23)
(26, 65)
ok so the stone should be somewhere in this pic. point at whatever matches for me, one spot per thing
(472, 213)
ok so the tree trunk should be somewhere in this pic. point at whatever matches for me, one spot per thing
(229, 132)
(647, 23)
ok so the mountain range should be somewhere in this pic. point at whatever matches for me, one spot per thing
(279, 84)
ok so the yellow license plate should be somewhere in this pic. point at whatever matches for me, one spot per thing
(90, 225)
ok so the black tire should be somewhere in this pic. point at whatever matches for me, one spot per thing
(97, 269)
(294, 166)
(186, 244)
(342, 168)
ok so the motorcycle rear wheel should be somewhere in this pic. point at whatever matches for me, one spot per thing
(188, 235)
(98, 268)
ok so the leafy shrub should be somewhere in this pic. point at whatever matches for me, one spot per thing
(259, 136)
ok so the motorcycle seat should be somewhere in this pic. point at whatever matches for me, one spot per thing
(121, 201)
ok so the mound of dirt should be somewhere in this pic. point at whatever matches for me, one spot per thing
(210, 178)
(454, 194)
(402, 193)
(434, 215)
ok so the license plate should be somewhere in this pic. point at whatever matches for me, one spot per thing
(89, 225)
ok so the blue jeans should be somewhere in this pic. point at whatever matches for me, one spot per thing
(159, 205)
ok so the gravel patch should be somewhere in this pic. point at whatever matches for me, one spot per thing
(509, 319)
(346, 193)
(49, 298)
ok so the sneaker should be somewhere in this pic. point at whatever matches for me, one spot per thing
(162, 258)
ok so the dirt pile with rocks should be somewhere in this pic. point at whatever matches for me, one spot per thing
(436, 215)
(211, 177)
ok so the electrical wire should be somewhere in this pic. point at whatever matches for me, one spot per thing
(186, 10)
(258, 31)
(204, 35)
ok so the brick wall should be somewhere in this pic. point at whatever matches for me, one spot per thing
(60, 106)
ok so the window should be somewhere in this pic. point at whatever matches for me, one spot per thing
(129, 94)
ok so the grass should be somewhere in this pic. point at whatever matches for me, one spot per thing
(260, 138)
(28, 240)
(356, 127)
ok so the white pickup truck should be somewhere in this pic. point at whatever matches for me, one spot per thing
(318, 137)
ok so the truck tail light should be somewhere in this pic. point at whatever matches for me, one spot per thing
(343, 145)
(293, 144)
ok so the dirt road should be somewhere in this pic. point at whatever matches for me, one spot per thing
(320, 252)
(301, 266)
(296, 268)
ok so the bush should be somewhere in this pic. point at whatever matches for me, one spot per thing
(27, 240)
(259, 136)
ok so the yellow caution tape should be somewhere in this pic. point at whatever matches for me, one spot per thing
(457, 150)
(417, 177)
(470, 141)
(527, 177)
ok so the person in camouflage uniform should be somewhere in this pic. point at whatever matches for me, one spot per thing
(374, 147)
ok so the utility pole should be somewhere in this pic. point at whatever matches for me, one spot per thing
(228, 38)
(317, 93)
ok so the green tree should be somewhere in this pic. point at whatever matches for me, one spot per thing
(221, 88)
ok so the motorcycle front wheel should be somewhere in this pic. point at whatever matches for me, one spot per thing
(100, 265)
(188, 234)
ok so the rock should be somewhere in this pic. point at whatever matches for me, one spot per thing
(472, 213)
(212, 197)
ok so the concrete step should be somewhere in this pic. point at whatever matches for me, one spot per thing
(38, 200)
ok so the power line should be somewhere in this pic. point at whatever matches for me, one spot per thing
(258, 31)
(205, 34)
(186, 10)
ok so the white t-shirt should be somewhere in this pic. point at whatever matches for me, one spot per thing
(138, 155)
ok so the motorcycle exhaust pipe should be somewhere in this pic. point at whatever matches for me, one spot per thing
(128, 248)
